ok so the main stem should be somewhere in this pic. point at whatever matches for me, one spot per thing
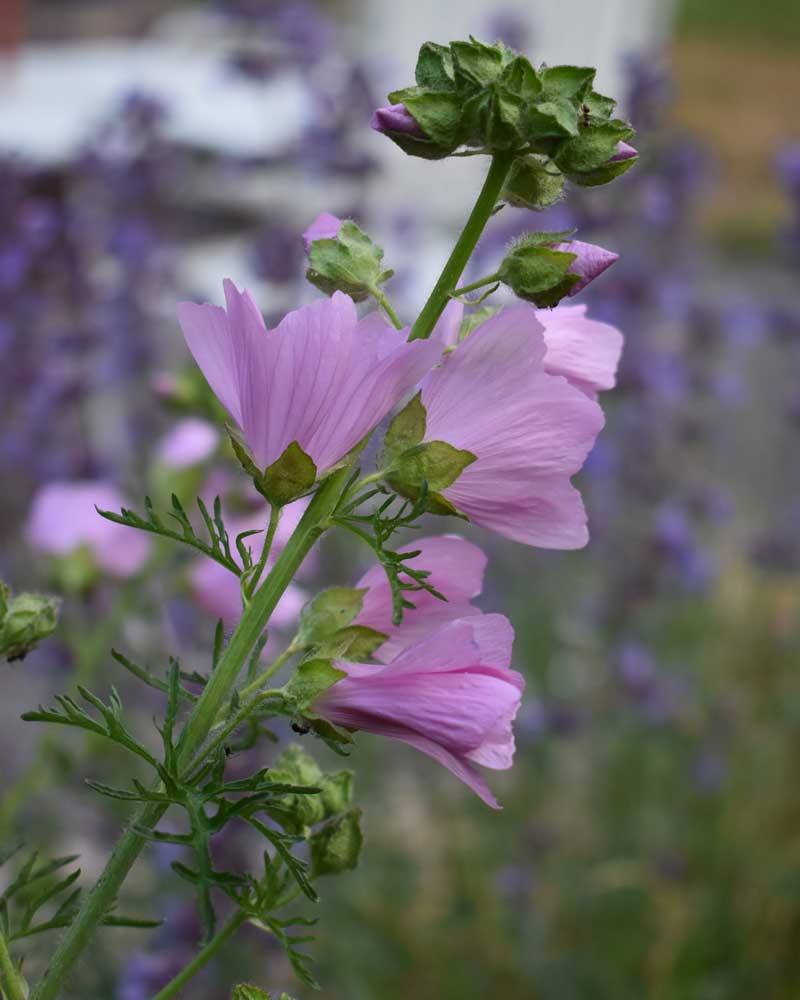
(205, 712)
(12, 983)
(202, 957)
(466, 243)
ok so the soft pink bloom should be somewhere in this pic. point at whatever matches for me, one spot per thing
(583, 350)
(190, 442)
(624, 151)
(63, 519)
(451, 696)
(590, 262)
(324, 227)
(396, 118)
(456, 569)
(321, 378)
(217, 591)
(531, 431)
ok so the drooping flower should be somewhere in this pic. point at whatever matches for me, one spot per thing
(590, 262)
(452, 696)
(396, 118)
(63, 520)
(529, 430)
(217, 591)
(456, 569)
(321, 378)
(190, 442)
(324, 227)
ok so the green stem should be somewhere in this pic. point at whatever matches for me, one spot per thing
(272, 669)
(203, 957)
(466, 243)
(272, 527)
(480, 283)
(381, 299)
(13, 983)
(203, 716)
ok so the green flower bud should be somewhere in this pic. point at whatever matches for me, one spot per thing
(26, 619)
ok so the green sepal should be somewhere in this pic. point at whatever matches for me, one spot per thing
(28, 619)
(298, 813)
(605, 174)
(435, 67)
(336, 846)
(311, 679)
(536, 273)
(522, 79)
(331, 610)
(593, 147)
(349, 262)
(438, 113)
(436, 463)
(291, 476)
(355, 643)
(406, 429)
(573, 83)
(533, 183)
(476, 64)
(503, 120)
(598, 105)
(553, 118)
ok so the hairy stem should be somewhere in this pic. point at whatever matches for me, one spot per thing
(203, 957)
(12, 982)
(251, 625)
(466, 243)
(272, 527)
(381, 299)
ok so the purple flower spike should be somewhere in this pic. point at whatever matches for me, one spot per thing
(624, 151)
(324, 227)
(590, 261)
(396, 118)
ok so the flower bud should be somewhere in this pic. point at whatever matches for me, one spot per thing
(590, 262)
(623, 152)
(28, 619)
(396, 118)
(324, 227)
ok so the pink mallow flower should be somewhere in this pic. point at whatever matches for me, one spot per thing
(456, 569)
(217, 591)
(191, 441)
(63, 520)
(324, 227)
(321, 378)
(529, 430)
(451, 696)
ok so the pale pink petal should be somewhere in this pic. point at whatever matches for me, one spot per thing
(590, 261)
(324, 227)
(583, 350)
(456, 567)
(448, 326)
(205, 329)
(529, 430)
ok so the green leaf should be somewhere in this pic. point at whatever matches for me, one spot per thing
(349, 262)
(598, 105)
(309, 681)
(434, 67)
(329, 611)
(503, 120)
(535, 272)
(407, 428)
(556, 117)
(593, 147)
(523, 80)
(337, 845)
(605, 174)
(247, 992)
(290, 477)
(570, 82)
(355, 643)
(533, 183)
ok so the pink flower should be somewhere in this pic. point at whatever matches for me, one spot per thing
(456, 569)
(217, 591)
(583, 350)
(590, 262)
(63, 519)
(320, 378)
(451, 696)
(530, 432)
(324, 227)
(190, 442)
